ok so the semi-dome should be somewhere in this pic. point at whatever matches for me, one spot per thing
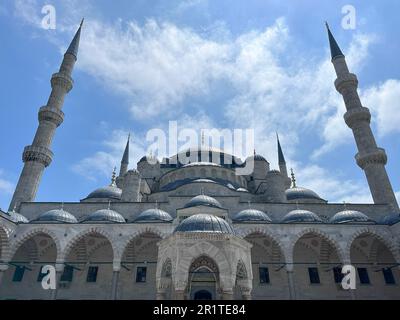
(153, 215)
(252, 215)
(108, 192)
(56, 216)
(349, 216)
(301, 216)
(105, 215)
(204, 223)
(298, 193)
(17, 217)
(391, 219)
(203, 200)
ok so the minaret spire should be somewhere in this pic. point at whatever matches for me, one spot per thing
(282, 163)
(125, 159)
(335, 49)
(38, 156)
(369, 158)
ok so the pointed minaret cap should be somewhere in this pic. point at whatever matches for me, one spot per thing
(74, 46)
(335, 49)
(125, 157)
(281, 158)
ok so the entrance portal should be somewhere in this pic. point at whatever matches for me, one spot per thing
(203, 295)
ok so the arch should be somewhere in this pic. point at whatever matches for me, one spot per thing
(245, 232)
(321, 234)
(152, 230)
(241, 271)
(30, 234)
(4, 242)
(391, 245)
(95, 230)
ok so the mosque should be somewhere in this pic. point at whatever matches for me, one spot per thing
(198, 230)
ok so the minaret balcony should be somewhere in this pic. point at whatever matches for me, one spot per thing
(62, 80)
(39, 154)
(377, 156)
(53, 115)
(346, 81)
(356, 116)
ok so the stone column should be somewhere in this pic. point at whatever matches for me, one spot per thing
(179, 294)
(290, 275)
(3, 269)
(227, 294)
(160, 295)
(115, 279)
(246, 294)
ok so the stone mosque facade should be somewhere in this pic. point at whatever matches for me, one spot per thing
(168, 230)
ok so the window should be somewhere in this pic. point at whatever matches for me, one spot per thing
(314, 276)
(92, 274)
(41, 275)
(18, 274)
(68, 274)
(363, 275)
(337, 274)
(264, 275)
(141, 274)
(388, 275)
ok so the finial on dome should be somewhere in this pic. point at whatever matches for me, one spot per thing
(255, 152)
(109, 205)
(156, 204)
(62, 206)
(344, 205)
(293, 178)
(297, 204)
(202, 191)
(202, 138)
(249, 203)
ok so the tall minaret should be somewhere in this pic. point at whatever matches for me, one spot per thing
(38, 156)
(282, 163)
(125, 159)
(370, 158)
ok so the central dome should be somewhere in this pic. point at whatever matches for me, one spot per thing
(203, 200)
(204, 223)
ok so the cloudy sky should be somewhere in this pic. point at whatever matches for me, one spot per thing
(260, 64)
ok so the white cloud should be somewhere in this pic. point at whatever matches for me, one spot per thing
(384, 102)
(333, 188)
(101, 163)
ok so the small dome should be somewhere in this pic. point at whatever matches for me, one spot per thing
(252, 215)
(301, 216)
(391, 219)
(56, 216)
(242, 190)
(204, 223)
(108, 192)
(349, 216)
(105, 215)
(203, 200)
(17, 217)
(297, 193)
(153, 215)
(194, 164)
(203, 181)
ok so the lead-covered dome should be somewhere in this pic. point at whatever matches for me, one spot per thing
(203, 200)
(205, 223)
(298, 193)
(350, 216)
(252, 215)
(17, 217)
(153, 215)
(105, 215)
(108, 192)
(301, 216)
(56, 216)
(391, 219)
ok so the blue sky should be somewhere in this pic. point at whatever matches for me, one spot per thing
(205, 64)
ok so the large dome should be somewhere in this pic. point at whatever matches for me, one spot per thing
(108, 192)
(301, 216)
(105, 215)
(203, 200)
(56, 216)
(252, 215)
(350, 216)
(204, 223)
(153, 215)
(298, 193)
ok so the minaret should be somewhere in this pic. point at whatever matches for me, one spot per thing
(282, 163)
(370, 158)
(38, 156)
(125, 159)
